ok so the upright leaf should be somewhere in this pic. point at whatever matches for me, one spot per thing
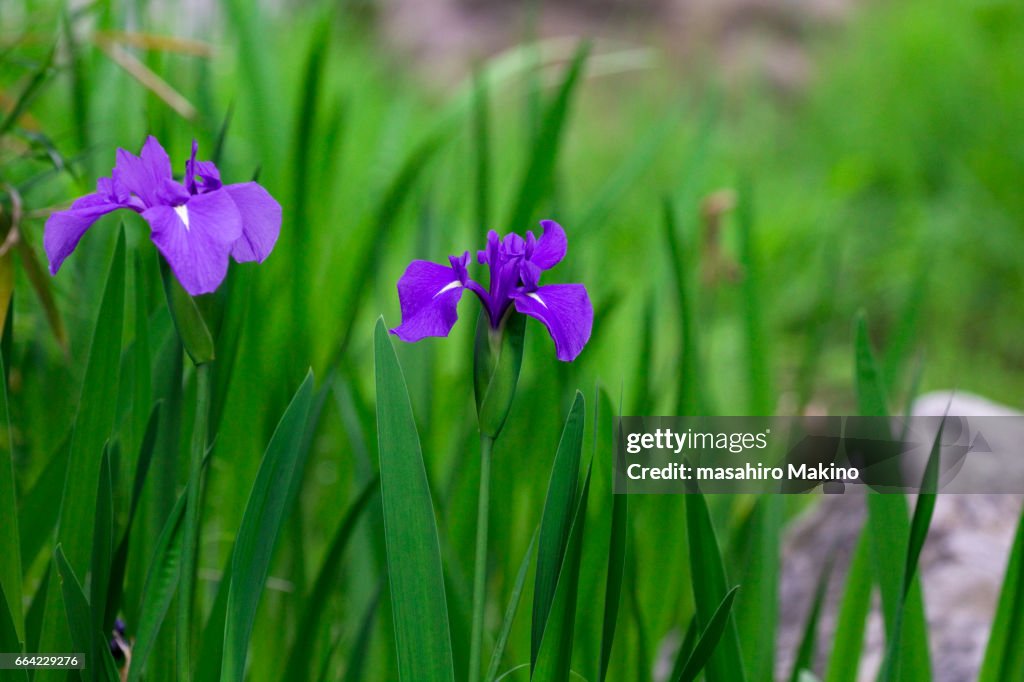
(10, 558)
(539, 171)
(710, 589)
(889, 530)
(557, 519)
(418, 602)
(709, 640)
(301, 656)
(1004, 655)
(555, 656)
(261, 527)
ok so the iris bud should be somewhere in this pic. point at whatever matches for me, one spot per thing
(497, 359)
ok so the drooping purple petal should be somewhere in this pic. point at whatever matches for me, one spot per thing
(261, 221)
(64, 229)
(196, 238)
(551, 247)
(429, 295)
(565, 310)
(145, 174)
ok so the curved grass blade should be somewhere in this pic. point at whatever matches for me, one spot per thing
(10, 558)
(380, 227)
(709, 639)
(261, 526)
(38, 514)
(1004, 654)
(120, 559)
(301, 657)
(889, 530)
(10, 641)
(804, 659)
(418, 602)
(690, 393)
(103, 541)
(685, 649)
(918, 533)
(616, 563)
(853, 615)
(555, 656)
(161, 582)
(360, 651)
(85, 638)
(539, 171)
(93, 427)
(726, 662)
(757, 607)
(556, 521)
(510, 612)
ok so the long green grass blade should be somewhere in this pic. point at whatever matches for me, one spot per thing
(616, 563)
(757, 607)
(555, 656)
(690, 386)
(261, 527)
(556, 521)
(10, 641)
(38, 514)
(93, 427)
(300, 658)
(418, 600)
(1004, 655)
(10, 558)
(510, 612)
(889, 531)
(103, 543)
(158, 593)
(539, 171)
(848, 640)
(710, 588)
(918, 533)
(98, 662)
(709, 639)
(804, 659)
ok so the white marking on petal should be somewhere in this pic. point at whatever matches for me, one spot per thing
(537, 298)
(182, 212)
(449, 287)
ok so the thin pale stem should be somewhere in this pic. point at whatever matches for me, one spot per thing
(189, 548)
(480, 569)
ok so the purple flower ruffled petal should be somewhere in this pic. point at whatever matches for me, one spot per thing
(196, 238)
(144, 175)
(566, 311)
(429, 294)
(64, 229)
(196, 225)
(261, 221)
(551, 247)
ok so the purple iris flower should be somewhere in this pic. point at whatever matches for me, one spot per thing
(429, 293)
(196, 225)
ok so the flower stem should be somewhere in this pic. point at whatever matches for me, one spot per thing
(189, 552)
(480, 570)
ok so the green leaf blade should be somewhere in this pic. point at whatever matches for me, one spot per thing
(418, 603)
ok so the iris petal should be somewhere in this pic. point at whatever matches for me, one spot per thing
(197, 252)
(551, 246)
(64, 229)
(565, 310)
(145, 174)
(429, 294)
(261, 221)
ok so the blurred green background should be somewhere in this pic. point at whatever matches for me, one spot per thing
(886, 177)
